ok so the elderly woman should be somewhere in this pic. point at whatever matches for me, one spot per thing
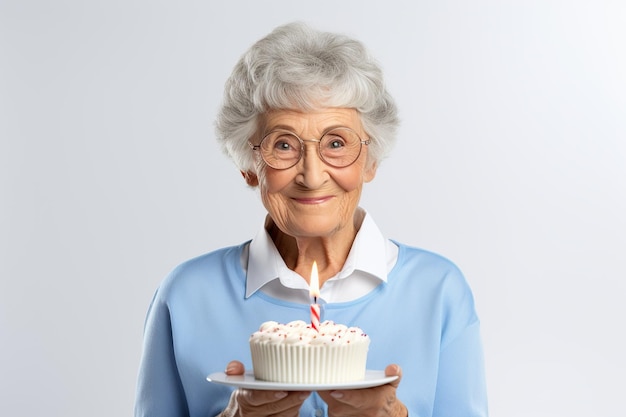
(307, 120)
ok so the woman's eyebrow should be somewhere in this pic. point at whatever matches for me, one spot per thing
(282, 127)
(292, 130)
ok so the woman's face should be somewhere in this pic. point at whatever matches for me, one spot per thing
(312, 199)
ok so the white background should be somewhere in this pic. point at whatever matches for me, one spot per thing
(511, 162)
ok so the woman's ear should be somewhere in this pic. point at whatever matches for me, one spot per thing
(251, 179)
(370, 172)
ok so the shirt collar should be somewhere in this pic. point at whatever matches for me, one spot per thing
(368, 254)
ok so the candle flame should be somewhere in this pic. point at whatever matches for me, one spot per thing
(314, 284)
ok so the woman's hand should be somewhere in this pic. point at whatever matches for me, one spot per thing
(252, 403)
(368, 402)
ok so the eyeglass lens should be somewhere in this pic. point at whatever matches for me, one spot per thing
(339, 147)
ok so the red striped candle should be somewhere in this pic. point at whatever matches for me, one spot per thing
(314, 291)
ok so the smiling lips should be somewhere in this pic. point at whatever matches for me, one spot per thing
(312, 200)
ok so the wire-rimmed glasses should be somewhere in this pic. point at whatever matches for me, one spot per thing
(338, 147)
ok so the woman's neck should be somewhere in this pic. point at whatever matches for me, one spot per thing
(329, 252)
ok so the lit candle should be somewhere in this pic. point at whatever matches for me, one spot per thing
(314, 291)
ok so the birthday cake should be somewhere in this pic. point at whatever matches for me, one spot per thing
(296, 353)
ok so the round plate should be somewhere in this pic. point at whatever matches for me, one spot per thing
(247, 380)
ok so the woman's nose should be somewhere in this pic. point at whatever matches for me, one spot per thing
(312, 171)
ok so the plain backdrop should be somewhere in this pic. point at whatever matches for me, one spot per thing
(511, 161)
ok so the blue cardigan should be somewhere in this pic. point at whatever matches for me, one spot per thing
(422, 319)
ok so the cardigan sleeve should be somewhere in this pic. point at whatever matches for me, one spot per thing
(159, 389)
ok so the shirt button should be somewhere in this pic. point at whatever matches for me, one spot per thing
(319, 413)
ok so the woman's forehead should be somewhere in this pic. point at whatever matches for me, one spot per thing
(313, 121)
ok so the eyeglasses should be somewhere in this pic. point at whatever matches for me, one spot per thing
(338, 147)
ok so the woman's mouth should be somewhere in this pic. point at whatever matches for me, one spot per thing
(312, 200)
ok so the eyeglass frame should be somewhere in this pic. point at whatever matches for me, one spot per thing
(318, 141)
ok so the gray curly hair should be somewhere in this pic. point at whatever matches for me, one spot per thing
(299, 68)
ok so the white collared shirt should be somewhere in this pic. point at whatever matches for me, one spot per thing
(369, 261)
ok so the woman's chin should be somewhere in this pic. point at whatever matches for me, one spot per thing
(313, 229)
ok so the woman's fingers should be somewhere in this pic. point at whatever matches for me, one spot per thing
(376, 401)
(265, 403)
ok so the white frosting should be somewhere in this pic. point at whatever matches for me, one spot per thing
(299, 332)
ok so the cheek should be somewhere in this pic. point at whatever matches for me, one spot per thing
(271, 182)
(350, 180)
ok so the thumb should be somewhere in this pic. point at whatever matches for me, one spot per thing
(235, 368)
(394, 370)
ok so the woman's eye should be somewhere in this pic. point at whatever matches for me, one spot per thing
(282, 146)
(285, 144)
(334, 142)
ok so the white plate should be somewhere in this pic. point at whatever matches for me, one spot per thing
(247, 380)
